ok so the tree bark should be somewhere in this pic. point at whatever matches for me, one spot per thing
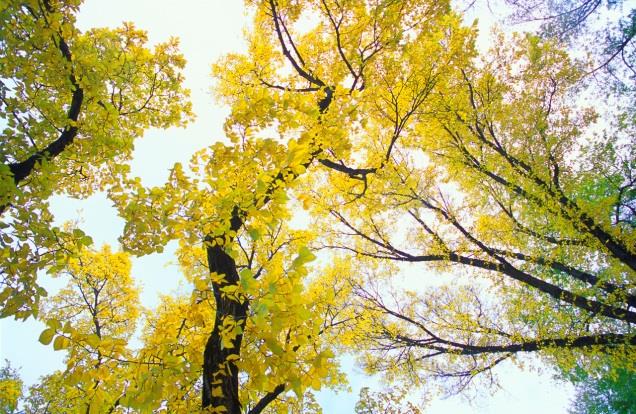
(218, 371)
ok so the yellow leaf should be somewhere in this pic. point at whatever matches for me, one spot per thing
(60, 342)
(47, 336)
(92, 340)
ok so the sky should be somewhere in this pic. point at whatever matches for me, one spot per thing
(207, 30)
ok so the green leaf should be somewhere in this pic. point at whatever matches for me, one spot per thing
(93, 340)
(47, 336)
(86, 240)
(247, 279)
(274, 346)
(60, 343)
(54, 324)
(297, 387)
(304, 256)
(254, 233)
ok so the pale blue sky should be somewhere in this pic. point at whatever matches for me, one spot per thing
(208, 29)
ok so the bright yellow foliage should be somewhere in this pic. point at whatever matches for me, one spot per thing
(10, 393)
(92, 319)
(71, 105)
(402, 145)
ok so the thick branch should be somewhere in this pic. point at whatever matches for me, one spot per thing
(501, 266)
(268, 398)
(21, 170)
(554, 291)
(568, 208)
(571, 271)
(351, 172)
(446, 346)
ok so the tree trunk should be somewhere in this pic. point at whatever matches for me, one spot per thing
(220, 375)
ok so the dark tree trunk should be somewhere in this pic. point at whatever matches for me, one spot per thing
(218, 372)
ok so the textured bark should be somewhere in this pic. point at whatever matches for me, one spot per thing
(217, 370)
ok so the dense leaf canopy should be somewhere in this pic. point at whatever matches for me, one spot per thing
(412, 153)
(71, 105)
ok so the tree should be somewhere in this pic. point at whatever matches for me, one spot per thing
(531, 202)
(569, 20)
(546, 217)
(376, 118)
(338, 73)
(606, 29)
(92, 318)
(10, 388)
(610, 393)
(287, 337)
(391, 401)
(72, 104)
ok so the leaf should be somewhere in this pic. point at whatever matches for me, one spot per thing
(93, 340)
(54, 323)
(200, 284)
(246, 279)
(60, 342)
(274, 346)
(297, 387)
(304, 256)
(254, 233)
(217, 391)
(47, 336)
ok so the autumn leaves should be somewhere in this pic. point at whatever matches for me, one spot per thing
(402, 144)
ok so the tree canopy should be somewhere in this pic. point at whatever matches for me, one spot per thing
(611, 23)
(71, 104)
(10, 388)
(411, 152)
(608, 392)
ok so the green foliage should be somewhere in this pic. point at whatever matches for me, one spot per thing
(610, 392)
(605, 29)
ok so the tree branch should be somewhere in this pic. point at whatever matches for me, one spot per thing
(268, 398)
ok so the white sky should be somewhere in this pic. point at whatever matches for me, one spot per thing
(208, 29)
